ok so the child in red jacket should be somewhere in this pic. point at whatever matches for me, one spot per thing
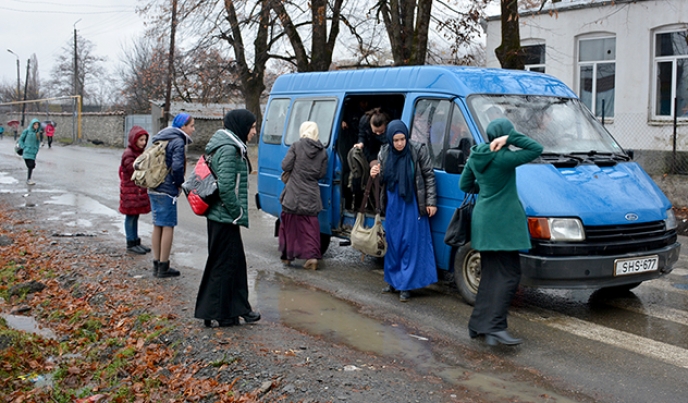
(133, 199)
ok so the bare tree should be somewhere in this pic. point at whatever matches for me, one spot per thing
(509, 51)
(323, 13)
(460, 25)
(408, 24)
(141, 73)
(90, 70)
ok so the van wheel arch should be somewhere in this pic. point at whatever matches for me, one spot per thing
(467, 272)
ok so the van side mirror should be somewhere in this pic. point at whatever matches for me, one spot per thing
(454, 161)
(630, 154)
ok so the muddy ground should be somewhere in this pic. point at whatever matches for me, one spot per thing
(265, 361)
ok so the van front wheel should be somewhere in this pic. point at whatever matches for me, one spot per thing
(467, 272)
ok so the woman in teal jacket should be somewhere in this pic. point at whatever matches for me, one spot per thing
(30, 141)
(223, 293)
(499, 226)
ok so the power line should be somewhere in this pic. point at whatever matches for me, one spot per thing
(61, 12)
(24, 2)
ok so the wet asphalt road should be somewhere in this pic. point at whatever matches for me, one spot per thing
(630, 348)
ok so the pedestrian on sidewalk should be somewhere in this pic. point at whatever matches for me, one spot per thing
(299, 231)
(499, 226)
(50, 132)
(223, 293)
(133, 199)
(410, 199)
(163, 199)
(30, 142)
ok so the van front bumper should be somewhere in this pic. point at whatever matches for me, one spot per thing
(590, 271)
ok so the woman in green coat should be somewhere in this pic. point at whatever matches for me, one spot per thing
(499, 226)
(30, 141)
(223, 293)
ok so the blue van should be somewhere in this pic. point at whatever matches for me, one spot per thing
(596, 219)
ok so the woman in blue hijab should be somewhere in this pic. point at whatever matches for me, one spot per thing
(410, 199)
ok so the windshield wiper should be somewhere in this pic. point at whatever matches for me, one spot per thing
(561, 159)
(594, 154)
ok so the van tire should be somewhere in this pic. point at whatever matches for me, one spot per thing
(324, 242)
(467, 272)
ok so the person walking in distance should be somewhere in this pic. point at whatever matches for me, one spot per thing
(299, 231)
(50, 132)
(499, 227)
(133, 199)
(163, 198)
(30, 142)
(223, 293)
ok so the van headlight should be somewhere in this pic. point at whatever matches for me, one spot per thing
(670, 222)
(556, 229)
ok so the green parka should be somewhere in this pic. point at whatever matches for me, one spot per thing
(499, 221)
(229, 162)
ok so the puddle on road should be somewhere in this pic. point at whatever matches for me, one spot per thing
(320, 314)
(84, 204)
(27, 324)
(6, 179)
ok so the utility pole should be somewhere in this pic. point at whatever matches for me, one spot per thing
(26, 85)
(76, 64)
(170, 68)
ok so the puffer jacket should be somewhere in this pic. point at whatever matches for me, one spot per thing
(229, 162)
(175, 157)
(426, 190)
(133, 200)
(30, 141)
(307, 162)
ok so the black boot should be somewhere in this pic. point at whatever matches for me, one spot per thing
(164, 270)
(145, 248)
(156, 264)
(134, 248)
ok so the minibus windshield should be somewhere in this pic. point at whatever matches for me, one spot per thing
(562, 125)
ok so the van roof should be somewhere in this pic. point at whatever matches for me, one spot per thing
(455, 80)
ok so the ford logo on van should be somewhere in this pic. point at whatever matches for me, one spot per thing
(631, 217)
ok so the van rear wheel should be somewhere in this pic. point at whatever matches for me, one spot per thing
(467, 272)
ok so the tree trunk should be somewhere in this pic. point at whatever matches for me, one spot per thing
(407, 29)
(509, 51)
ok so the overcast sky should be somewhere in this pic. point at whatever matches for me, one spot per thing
(45, 27)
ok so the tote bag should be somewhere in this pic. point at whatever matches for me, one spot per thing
(369, 240)
(459, 229)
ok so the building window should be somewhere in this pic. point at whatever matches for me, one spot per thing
(671, 73)
(534, 58)
(596, 74)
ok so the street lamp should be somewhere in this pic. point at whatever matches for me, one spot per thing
(18, 77)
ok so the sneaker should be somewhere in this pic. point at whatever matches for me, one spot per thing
(388, 289)
(30, 182)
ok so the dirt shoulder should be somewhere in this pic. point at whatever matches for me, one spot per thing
(114, 333)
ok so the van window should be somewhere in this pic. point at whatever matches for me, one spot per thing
(320, 111)
(429, 126)
(274, 121)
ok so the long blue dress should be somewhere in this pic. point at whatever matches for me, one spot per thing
(410, 259)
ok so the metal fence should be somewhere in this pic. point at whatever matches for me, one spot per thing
(659, 146)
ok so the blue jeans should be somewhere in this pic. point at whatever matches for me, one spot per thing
(131, 227)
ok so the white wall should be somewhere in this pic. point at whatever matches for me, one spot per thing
(632, 24)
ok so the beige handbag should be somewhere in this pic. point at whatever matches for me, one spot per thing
(370, 241)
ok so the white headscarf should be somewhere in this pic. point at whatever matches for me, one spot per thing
(309, 130)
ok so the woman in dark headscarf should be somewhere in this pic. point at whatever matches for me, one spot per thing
(223, 294)
(411, 198)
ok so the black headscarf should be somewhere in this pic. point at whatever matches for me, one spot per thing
(239, 122)
(398, 171)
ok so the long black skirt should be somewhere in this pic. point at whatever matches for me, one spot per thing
(500, 275)
(223, 293)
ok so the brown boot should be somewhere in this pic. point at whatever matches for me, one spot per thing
(311, 264)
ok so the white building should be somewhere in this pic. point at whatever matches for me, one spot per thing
(626, 59)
